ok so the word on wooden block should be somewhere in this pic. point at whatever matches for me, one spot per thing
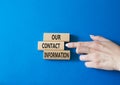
(59, 55)
(65, 37)
(50, 45)
(53, 46)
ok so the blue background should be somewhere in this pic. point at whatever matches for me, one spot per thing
(22, 24)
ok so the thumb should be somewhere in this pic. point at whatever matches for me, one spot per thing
(98, 38)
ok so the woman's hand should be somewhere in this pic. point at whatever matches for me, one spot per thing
(101, 53)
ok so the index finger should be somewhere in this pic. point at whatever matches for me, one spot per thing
(72, 45)
(78, 44)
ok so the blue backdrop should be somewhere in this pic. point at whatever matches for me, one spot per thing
(22, 24)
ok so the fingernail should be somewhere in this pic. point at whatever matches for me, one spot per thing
(82, 57)
(66, 45)
(91, 36)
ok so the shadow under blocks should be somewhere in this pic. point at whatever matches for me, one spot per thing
(74, 56)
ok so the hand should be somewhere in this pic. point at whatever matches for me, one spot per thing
(101, 53)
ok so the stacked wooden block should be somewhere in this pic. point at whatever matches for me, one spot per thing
(53, 46)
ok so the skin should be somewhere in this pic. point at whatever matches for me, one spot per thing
(101, 53)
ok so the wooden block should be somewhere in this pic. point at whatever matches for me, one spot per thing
(65, 37)
(50, 45)
(57, 55)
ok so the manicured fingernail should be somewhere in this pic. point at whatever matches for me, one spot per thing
(82, 57)
(66, 45)
(91, 36)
